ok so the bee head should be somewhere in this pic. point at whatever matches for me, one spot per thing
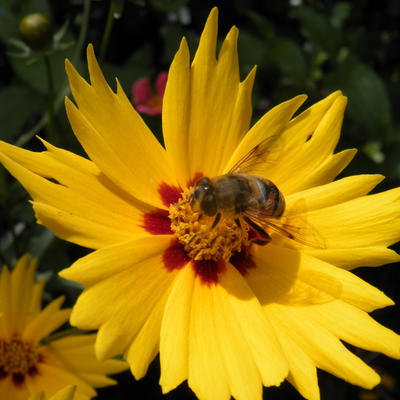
(203, 197)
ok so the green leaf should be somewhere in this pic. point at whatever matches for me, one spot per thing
(263, 25)
(368, 98)
(317, 29)
(287, 55)
(34, 74)
(340, 13)
(8, 24)
(17, 104)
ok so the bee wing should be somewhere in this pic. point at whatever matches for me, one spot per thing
(266, 152)
(294, 227)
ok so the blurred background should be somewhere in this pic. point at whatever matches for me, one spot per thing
(300, 46)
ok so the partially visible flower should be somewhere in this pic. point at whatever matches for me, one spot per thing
(31, 362)
(64, 394)
(143, 97)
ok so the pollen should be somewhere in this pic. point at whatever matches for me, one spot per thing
(200, 242)
(18, 358)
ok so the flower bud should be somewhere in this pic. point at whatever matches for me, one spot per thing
(36, 31)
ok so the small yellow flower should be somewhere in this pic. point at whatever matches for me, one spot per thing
(225, 315)
(30, 365)
(64, 394)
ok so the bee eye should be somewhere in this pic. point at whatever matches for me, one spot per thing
(196, 194)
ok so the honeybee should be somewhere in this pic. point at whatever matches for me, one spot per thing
(243, 196)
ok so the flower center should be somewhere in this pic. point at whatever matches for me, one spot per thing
(201, 242)
(17, 357)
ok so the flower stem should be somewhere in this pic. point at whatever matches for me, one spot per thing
(27, 136)
(50, 98)
(107, 32)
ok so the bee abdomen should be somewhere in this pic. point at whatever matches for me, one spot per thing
(270, 194)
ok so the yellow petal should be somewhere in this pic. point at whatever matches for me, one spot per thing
(175, 115)
(76, 229)
(115, 137)
(49, 319)
(272, 124)
(174, 337)
(354, 257)
(76, 354)
(256, 328)
(288, 276)
(243, 375)
(367, 221)
(65, 394)
(335, 192)
(120, 304)
(302, 370)
(308, 142)
(206, 372)
(324, 173)
(215, 126)
(108, 261)
(322, 347)
(51, 379)
(353, 326)
(303, 125)
(37, 396)
(145, 345)
(75, 207)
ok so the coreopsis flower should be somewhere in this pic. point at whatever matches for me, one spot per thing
(32, 363)
(64, 394)
(143, 97)
(167, 276)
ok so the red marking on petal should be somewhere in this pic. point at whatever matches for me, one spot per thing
(157, 223)
(196, 177)
(175, 256)
(169, 194)
(3, 374)
(33, 371)
(242, 261)
(209, 270)
(18, 378)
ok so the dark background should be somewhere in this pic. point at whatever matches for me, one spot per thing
(311, 47)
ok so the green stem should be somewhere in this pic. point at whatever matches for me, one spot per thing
(83, 31)
(107, 32)
(64, 91)
(50, 98)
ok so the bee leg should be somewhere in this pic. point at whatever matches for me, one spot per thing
(200, 217)
(238, 224)
(188, 200)
(214, 224)
(216, 220)
(265, 238)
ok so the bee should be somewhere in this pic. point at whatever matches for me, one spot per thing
(243, 196)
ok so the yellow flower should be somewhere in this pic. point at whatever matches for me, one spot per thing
(226, 315)
(32, 362)
(64, 394)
